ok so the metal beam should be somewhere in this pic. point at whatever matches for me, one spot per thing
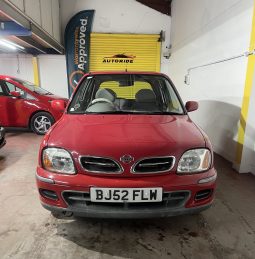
(10, 10)
(8, 28)
(47, 39)
(33, 44)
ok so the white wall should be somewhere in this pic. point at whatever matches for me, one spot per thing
(203, 31)
(52, 71)
(120, 16)
(17, 65)
(53, 74)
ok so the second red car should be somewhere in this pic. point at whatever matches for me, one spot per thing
(24, 105)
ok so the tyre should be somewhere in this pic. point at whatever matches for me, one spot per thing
(41, 122)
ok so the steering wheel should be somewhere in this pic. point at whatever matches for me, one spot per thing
(100, 100)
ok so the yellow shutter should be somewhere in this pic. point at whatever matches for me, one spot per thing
(120, 52)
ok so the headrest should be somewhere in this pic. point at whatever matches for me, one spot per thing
(111, 92)
(145, 96)
(106, 94)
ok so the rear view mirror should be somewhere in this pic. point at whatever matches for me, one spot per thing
(58, 105)
(15, 94)
(191, 106)
(126, 83)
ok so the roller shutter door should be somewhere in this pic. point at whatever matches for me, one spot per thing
(120, 52)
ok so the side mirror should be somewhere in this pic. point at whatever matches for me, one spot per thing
(191, 106)
(15, 94)
(58, 105)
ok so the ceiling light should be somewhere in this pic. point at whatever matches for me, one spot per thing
(7, 45)
(13, 44)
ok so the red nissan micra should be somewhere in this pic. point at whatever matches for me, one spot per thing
(24, 105)
(125, 148)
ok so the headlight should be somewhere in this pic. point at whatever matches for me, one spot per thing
(195, 161)
(57, 160)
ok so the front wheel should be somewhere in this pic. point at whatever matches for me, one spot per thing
(41, 122)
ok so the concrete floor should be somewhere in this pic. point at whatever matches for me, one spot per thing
(227, 230)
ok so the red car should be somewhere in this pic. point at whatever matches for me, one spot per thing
(126, 148)
(25, 105)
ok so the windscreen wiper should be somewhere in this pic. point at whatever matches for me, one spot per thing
(135, 112)
(110, 112)
(166, 113)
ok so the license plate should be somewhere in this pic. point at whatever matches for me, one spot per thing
(125, 194)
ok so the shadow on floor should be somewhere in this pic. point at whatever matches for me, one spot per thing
(133, 238)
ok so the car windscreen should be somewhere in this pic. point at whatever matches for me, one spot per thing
(125, 94)
(32, 87)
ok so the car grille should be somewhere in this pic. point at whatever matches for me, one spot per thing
(100, 165)
(153, 165)
(81, 200)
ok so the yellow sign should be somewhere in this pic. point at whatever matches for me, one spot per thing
(121, 52)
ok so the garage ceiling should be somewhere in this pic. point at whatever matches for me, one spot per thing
(36, 42)
(163, 6)
(39, 41)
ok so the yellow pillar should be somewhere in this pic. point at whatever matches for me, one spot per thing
(36, 71)
(247, 94)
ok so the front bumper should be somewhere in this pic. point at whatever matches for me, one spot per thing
(126, 214)
(170, 183)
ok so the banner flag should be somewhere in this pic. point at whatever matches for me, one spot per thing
(77, 45)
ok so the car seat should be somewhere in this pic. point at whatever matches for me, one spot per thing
(145, 100)
(105, 94)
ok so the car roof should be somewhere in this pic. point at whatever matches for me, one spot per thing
(104, 73)
(10, 77)
(5, 76)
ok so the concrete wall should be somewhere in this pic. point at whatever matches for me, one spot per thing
(203, 31)
(120, 16)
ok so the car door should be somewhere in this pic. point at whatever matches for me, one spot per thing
(15, 111)
(5, 107)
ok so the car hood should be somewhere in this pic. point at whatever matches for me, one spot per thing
(118, 135)
(53, 97)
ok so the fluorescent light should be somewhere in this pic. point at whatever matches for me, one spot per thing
(7, 45)
(13, 44)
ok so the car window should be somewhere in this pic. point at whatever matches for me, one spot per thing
(124, 93)
(127, 92)
(11, 87)
(32, 87)
(171, 100)
(1, 90)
